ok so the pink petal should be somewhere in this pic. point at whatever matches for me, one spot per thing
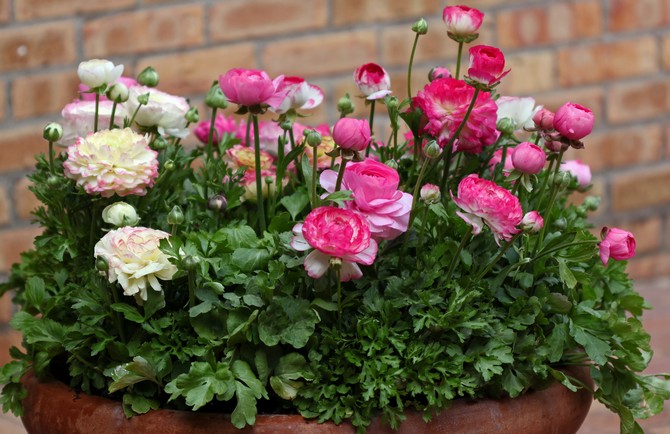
(316, 264)
(349, 271)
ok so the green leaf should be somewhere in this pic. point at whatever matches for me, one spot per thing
(295, 202)
(250, 259)
(291, 367)
(138, 404)
(199, 309)
(287, 320)
(129, 312)
(325, 305)
(236, 237)
(202, 383)
(339, 197)
(247, 390)
(566, 274)
(131, 373)
(306, 170)
(596, 348)
(35, 293)
(155, 302)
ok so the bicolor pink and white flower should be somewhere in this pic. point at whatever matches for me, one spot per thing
(95, 73)
(295, 93)
(528, 158)
(222, 124)
(112, 162)
(497, 158)
(352, 134)
(335, 234)
(519, 111)
(573, 121)
(373, 81)
(487, 65)
(164, 111)
(374, 188)
(244, 156)
(79, 119)
(135, 260)
(579, 170)
(617, 244)
(249, 87)
(438, 72)
(462, 20)
(484, 202)
(430, 193)
(532, 221)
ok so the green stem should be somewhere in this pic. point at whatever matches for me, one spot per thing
(415, 193)
(339, 296)
(458, 60)
(191, 288)
(115, 315)
(409, 67)
(279, 184)
(455, 258)
(210, 137)
(563, 246)
(51, 156)
(97, 105)
(552, 198)
(371, 122)
(111, 119)
(259, 181)
(497, 257)
(314, 176)
(340, 173)
(421, 232)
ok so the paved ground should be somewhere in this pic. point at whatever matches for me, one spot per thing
(600, 420)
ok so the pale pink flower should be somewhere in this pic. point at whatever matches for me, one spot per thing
(487, 65)
(483, 201)
(528, 158)
(248, 87)
(519, 111)
(462, 20)
(135, 259)
(244, 156)
(532, 221)
(430, 193)
(295, 93)
(617, 244)
(112, 162)
(98, 72)
(445, 102)
(79, 119)
(374, 186)
(573, 121)
(373, 81)
(164, 111)
(335, 233)
(579, 170)
(497, 157)
(222, 124)
(352, 134)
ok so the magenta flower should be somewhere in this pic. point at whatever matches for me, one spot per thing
(373, 81)
(352, 134)
(296, 93)
(445, 102)
(532, 221)
(375, 195)
(528, 158)
(222, 124)
(573, 121)
(438, 72)
(579, 170)
(462, 20)
(487, 65)
(544, 120)
(335, 233)
(483, 201)
(248, 87)
(616, 244)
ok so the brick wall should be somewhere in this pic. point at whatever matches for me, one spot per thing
(610, 55)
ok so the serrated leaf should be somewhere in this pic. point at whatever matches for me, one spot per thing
(596, 348)
(250, 259)
(566, 274)
(138, 404)
(287, 320)
(295, 202)
(202, 383)
(129, 312)
(35, 292)
(127, 374)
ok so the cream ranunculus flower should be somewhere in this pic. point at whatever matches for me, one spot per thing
(97, 72)
(164, 111)
(120, 214)
(112, 162)
(135, 259)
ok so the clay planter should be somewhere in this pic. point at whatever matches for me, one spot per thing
(53, 408)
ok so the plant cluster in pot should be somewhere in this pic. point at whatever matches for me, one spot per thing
(350, 280)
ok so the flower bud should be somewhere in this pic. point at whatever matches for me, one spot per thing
(392, 103)
(544, 120)
(561, 180)
(345, 106)
(352, 134)
(286, 125)
(506, 126)
(573, 121)
(120, 214)
(430, 193)
(53, 132)
(432, 150)
(54, 181)
(392, 164)
(101, 264)
(218, 203)
(118, 92)
(148, 77)
(215, 97)
(617, 244)
(438, 72)
(159, 143)
(420, 27)
(528, 158)
(579, 170)
(169, 165)
(591, 203)
(312, 137)
(190, 262)
(143, 99)
(192, 115)
(532, 222)
(175, 216)
(560, 223)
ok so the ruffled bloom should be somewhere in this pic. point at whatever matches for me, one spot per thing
(375, 195)
(483, 201)
(352, 134)
(445, 102)
(98, 72)
(244, 156)
(164, 111)
(518, 110)
(249, 87)
(135, 259)
(79, 119)
(616, 244)
(462, 20)
(579, 170)
(112, 162)
(296, 93)
(528, 158)
(335, 233)
(222, 124)
(487, 65)
(323, 160)
(373, 81)
(573, 121)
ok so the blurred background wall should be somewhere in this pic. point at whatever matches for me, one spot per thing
(612, 56)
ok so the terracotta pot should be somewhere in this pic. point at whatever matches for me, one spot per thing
(53, 408)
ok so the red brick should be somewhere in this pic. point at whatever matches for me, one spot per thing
(621, 147)
(18, 147)
(558, 22)
(193, 72)
(649, 267)
(24, 200)
(6, 308)
(3, 100)
(629, 102)
(4, 10)
(591, 97)
(8, 338)
(530, 73)
(145, 31)
(642, 188)
(597, 189)
(599, 62)
(32, 9)
(638, 14)
(320, 54)
(36, 95)
(5, 206)
(365, 11)
(666, 51)
(647, 234)
(241, 19)
(483, 4)
(13, 242)
(37, 46)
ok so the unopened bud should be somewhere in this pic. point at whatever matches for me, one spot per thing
(159, 143)
(591, 203)
(192, 115)
(431, 150)
(168, 165)
(335, 262)
(118, 93)
(392, 164)
(345, 106)
(560, 223)
(101, 264)
(54, 181)
(53, 132)
(438, 72)
(286, 125)
(215, 97)
(562, 180)
(313, 138)
(218, 203)
(392, 102)
(190, 262)
(420, 27)
(505, 126)
(175, 216)
(430, 193)
(143, 99)
(148, 77)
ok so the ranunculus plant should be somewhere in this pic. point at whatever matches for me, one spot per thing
(327, 270)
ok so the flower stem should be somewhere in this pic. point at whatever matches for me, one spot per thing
(422, 231)
(497, 257)
(116, 316)
(51, 156)
(415, 193)
(409, 67)
(97, 105)
(340, 173)
(339, 296)
(111, 119)
(552, 198)
(210, 137)
(315, 168)
(280, 165)
(371, 122)
(458, 60)
(455, 258)
(191, 288)
(259, 181)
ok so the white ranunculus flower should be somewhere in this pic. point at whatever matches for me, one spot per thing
(97, 72)
(120, 214)
(79, 118)
(519, 110)
(165, 111)
(135, 259)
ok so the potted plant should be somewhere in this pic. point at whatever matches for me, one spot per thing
(327, 272)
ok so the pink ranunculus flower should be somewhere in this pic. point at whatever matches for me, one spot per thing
(374, 186)
(616, 244)
(79, 119)
(164, 111)
(518, 110)
(487, 65)
(135, 259)
(573, 121)
(373, 81)
(544, 120)
(483, 201)
(497, 157)
(244, 156)
(295, 93)
(430, 193)
(532, 221)
(112, 162)
(462, 20)
(85, 95)
(438, 72)
(222, 124)
(335, 233)
(528, 158)
(352, 134)
(248, 87)
(445, 102)
(579, 170)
